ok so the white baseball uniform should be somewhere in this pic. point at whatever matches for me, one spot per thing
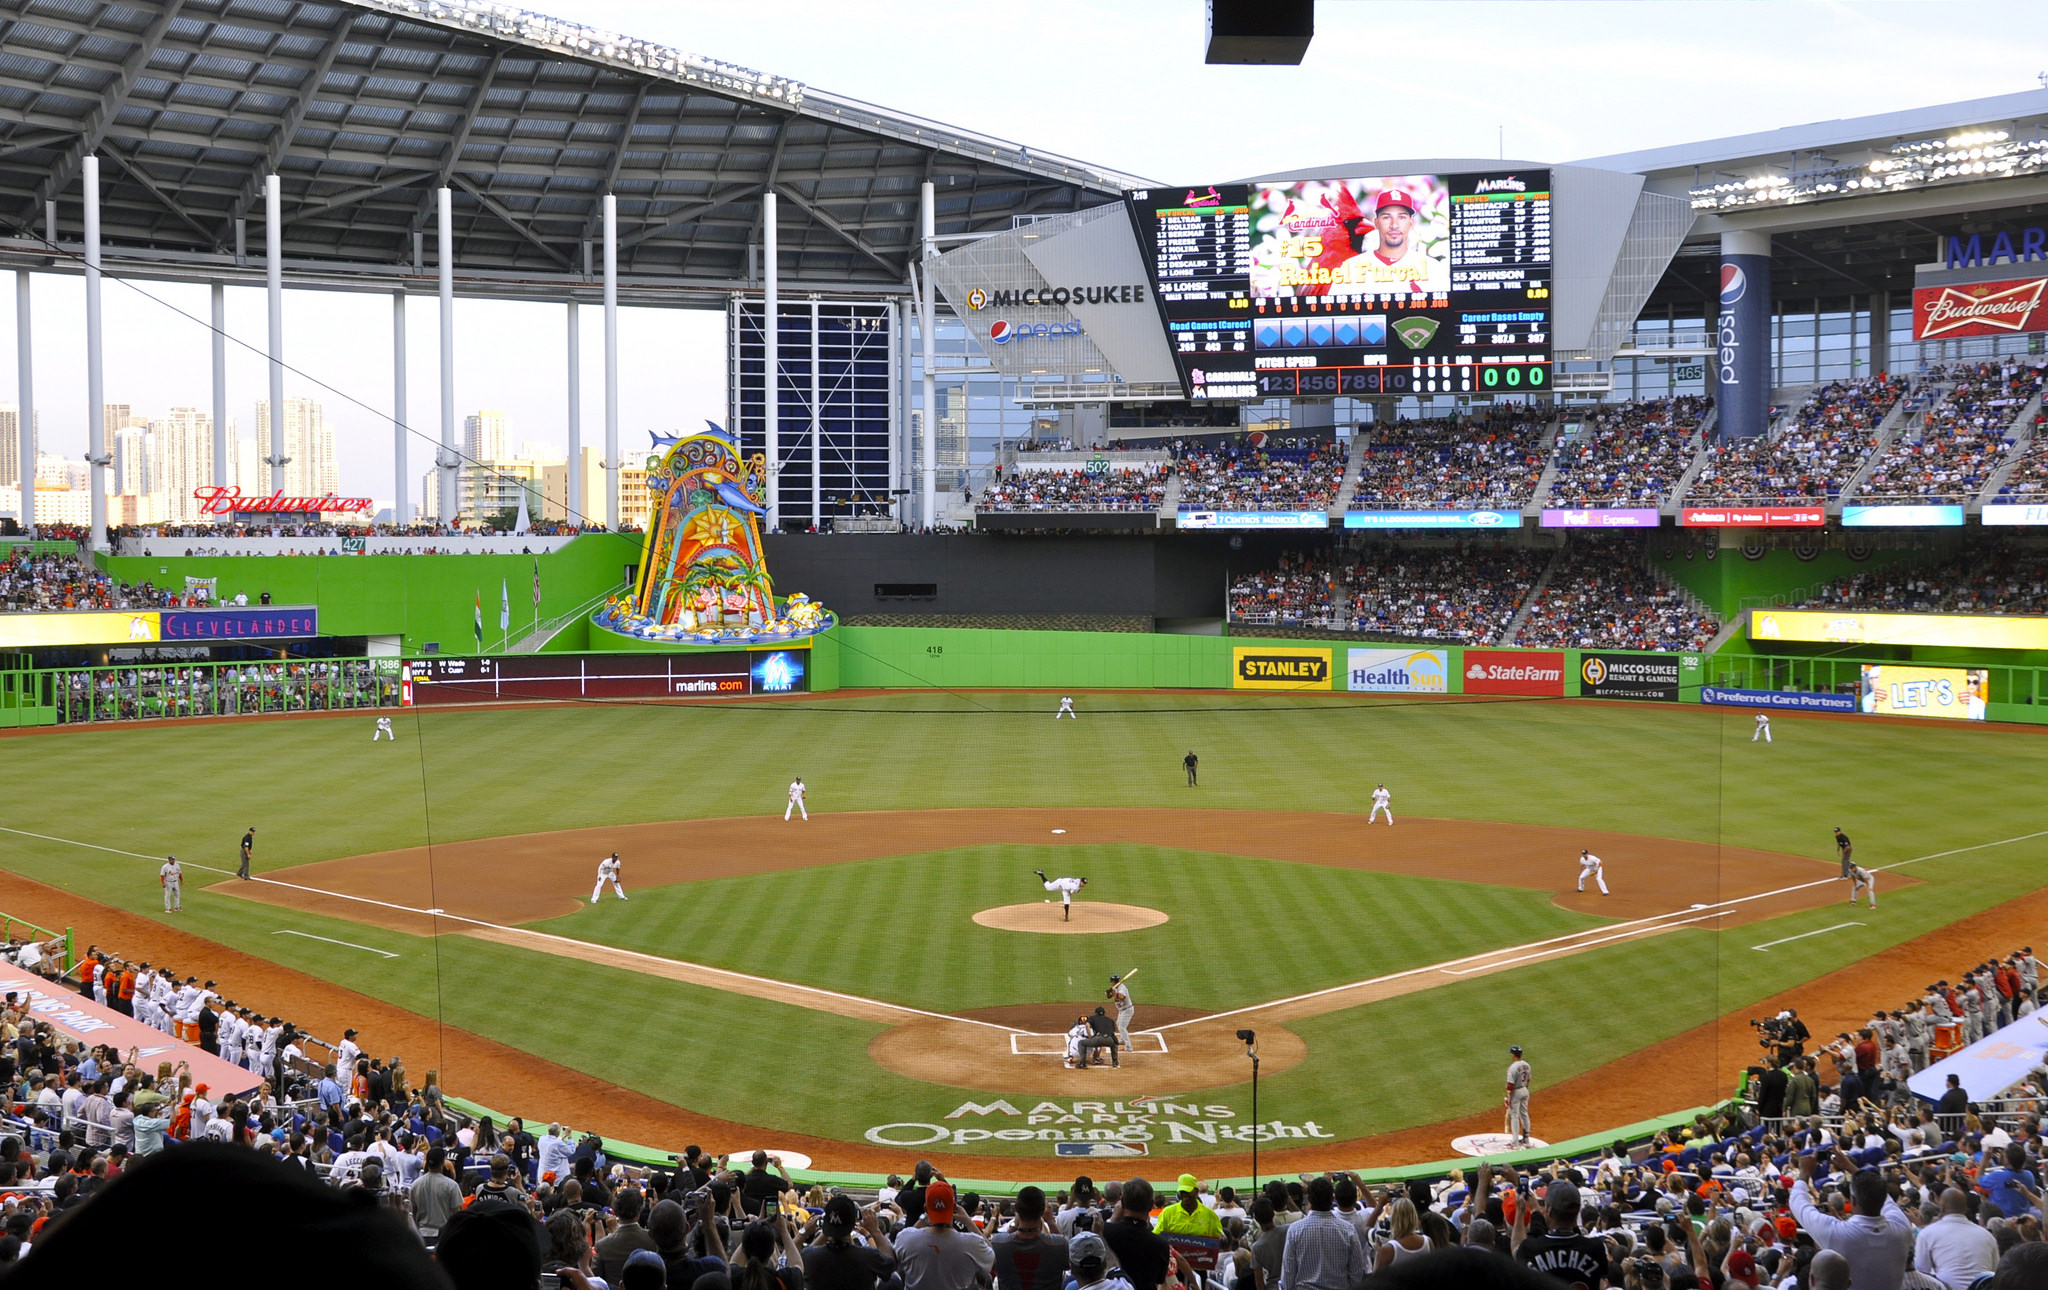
(1066, 887)
(607, 872)
(1518, 1101)
(1763, 728)
(1066, 708)
(173, 879)
(796, 800)
(1380, 799)
(1861, 879)
(1125, 1011)
(383, 731)
(1074, 1038)
(1590, 864)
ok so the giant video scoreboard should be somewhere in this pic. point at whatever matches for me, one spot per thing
(1391, 285)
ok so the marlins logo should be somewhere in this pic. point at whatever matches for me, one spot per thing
(977, 299)
(1417, 332)
(1733, 283)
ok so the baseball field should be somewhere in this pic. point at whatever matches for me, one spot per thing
(827, 987)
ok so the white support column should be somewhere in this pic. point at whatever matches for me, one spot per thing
(926, 317)
(572, 500)
(401, 430)
(273, 258)
(611, 361)
(25, 397)
(447, 460)
(95, 385)
(771, 358)
(220, 385)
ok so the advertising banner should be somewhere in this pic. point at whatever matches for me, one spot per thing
(1980, 309)
(1776, 700)
(1629, 676)
(1397, 671)
(1753, 517)
(722, 674)
(1279, 668)
(1742, 346)
(80, 627)
(1500, 671)
(269, 622)
(89, 1023)
(1432, 519)
(2013, 513)
(1254, 519)
(1966, 631)
(1608, 517)
(1953, 693)
(1901, 517)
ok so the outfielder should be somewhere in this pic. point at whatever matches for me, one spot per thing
(1066, 708)
(383, 731)
(1517, 1099)
(1125, 1010)
(1861, 879)
(172, 876)
(607, 872)
(796, 799)
(1590, 864)
(1763, 728)
(1066, 887)
(1380, 799)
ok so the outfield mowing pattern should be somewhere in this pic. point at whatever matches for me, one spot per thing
(318, 789)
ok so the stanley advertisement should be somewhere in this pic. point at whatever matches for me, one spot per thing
(1277, 668)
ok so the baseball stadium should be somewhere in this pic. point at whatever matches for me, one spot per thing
(1524, 654)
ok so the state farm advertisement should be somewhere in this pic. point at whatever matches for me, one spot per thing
(1502, 671)
(1979, 309)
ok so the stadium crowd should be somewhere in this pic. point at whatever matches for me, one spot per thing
(299, 685)
(1465, 594)
(1824, 1173)
(1078, 489)
(1451, 463)
(57, 581)
(1628, 454)
(1961, 439)
(1984, 578)
(1810, 459)
(1601, 594)
(1261, 476)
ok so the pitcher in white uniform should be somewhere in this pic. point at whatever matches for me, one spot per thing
(796, 799)
(1380, 799)
(1590, 864)
(1517, 1099)
(1066, 887)
(607, 872)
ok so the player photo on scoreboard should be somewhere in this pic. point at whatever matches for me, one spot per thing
(1351, 237)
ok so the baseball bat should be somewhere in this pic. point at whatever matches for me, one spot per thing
(1128, 975)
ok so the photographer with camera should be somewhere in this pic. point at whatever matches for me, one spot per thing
(1876, 1239)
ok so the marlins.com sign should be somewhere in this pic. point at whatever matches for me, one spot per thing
(1279, 669)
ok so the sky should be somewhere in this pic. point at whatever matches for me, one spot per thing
(1119, 84)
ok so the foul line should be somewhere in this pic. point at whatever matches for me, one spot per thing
(1803, 935)
(367, 949)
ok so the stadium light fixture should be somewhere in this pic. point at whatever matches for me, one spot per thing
(1982, 153)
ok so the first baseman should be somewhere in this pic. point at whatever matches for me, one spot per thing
(172, 876)
(607, 872)
(1125, 1011)
(1590, 864)
(1380, 802)
(1066, 887)
(1861, 879)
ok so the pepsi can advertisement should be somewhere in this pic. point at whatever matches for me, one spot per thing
(1742, 349)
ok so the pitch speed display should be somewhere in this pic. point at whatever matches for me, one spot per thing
(1389, 285)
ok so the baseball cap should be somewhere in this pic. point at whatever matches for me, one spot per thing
(1742, 1267)
(644, 1270)
(1188, 1182)
(1087, 1247)
(1516, 1049)
(1788, 1227)
(938, 1202)
(1395, 197)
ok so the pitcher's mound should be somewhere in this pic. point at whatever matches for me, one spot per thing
(1089, 916)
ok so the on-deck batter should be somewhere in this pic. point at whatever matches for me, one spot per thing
(1381, 800)
(1066, 887)
(1590, 864)
(1517, 1099)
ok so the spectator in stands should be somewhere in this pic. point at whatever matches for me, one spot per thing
(1260, 474)
(1027, 1256)
(937, 1255)
(1322, 1250)
(837, 1262)
(1144, 1256)
(1876, 1238)
(1952, 1249)
(1603, 595)
(1826, 440)
(1627, 455)
(1114, 488)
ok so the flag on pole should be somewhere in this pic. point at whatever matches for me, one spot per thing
(479, 621)
(504, 605)
(536, 582)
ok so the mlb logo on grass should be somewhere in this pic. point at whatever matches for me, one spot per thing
(1397, 671)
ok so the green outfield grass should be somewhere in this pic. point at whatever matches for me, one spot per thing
(1242, 930)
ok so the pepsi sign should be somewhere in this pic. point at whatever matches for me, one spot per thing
(1742, 349)
(1002, 331)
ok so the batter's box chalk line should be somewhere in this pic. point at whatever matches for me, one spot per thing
(1024, 1044)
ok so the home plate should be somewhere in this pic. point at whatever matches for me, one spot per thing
(1492, 1144)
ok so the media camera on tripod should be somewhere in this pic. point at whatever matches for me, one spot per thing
(1785, 1035)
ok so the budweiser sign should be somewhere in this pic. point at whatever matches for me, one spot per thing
(1980, 309)
(215, 500)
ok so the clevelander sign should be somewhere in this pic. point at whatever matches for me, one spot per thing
(1279, 669)
(1397, 671)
